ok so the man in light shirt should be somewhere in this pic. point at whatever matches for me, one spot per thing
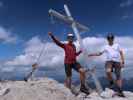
(114, 62)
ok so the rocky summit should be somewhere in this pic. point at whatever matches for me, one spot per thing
(49, 89)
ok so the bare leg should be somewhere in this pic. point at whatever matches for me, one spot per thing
(82, 80)
(68, 82)
(82, 76)
(109, 73)
(119, 83)
(109, 76)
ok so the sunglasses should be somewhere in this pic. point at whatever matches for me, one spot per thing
(70, 37)
(110, 38)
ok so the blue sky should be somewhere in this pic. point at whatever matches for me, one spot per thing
(22, 21)
(27, 18)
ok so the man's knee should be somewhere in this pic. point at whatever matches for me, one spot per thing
(68, 74)
(108, 70)
(118, 74)
(109, 74)
(68, 77)
(81, 71)
(108, 67)
(118, 77)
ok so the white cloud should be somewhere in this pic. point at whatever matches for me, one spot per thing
(53, 56)
(6, 35)
(7, 69)
(126, 3)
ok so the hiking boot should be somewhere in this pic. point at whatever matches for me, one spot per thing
(111, 85)
(25, 79)
(121, 94)
(84, 90)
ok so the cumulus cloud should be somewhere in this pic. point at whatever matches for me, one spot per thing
(53, 56)
(6, 35)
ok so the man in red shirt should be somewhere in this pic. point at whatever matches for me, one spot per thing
(70, 61)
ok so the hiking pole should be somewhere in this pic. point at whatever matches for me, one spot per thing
(34, 65)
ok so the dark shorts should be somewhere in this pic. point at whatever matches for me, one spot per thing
(115, 67)
(68, 68)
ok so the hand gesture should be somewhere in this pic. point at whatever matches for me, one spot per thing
(34, 66)
(50, 33)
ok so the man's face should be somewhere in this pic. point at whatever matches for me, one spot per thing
(110, 40)
(70, 39)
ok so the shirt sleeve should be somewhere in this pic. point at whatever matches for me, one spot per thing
(58, 42)
(103, 49)
(119, 47)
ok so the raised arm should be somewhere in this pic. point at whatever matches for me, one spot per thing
(56, 40)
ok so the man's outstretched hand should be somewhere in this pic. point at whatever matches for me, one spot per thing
(50, 33)
(34, 66)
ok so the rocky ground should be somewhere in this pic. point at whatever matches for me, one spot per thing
(49, 89)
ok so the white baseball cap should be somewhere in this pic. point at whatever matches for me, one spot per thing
(70, 35)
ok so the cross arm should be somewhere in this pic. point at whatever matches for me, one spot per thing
(68, 20)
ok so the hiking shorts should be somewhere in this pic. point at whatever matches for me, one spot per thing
(68, 68)
(115, 67)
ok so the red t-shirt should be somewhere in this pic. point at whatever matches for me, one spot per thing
(70, 51)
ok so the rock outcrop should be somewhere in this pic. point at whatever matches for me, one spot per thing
(49, 89)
